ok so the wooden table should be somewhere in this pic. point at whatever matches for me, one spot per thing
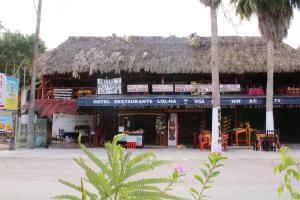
(237, 132)
(267, 142)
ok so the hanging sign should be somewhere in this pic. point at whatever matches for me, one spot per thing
(162, 88)
(2, 91)
(137, 88)
(204, 88)
(62, 93)
(207, 88)
(230, 88)
(109, 86)
(185, 88)
(11, 93)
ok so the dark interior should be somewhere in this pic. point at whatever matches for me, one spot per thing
(147, 123)
(188, 124)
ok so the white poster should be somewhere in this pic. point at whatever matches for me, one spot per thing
(207, 88)
(109, 86)
(162, 88)
(2, 91)
(173, 129)
(137, 88)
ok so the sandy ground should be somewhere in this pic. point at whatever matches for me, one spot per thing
(3, 146)
(247, 175)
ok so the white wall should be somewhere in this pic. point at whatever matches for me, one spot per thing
(68, 122)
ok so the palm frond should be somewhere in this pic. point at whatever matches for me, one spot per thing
(76, 187)
(140, 157)
(144, 167)
(97, 161)
(101, 184)
(147, 181)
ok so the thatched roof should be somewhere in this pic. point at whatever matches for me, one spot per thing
(164, 55)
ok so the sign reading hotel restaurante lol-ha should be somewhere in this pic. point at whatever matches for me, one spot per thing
(109, 86)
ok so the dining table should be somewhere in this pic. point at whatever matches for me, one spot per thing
(236, 136)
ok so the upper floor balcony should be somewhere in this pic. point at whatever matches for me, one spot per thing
(161, 89)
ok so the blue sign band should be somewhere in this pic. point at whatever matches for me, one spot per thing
(179, 100)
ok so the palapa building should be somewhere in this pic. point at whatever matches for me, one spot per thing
(160, 87)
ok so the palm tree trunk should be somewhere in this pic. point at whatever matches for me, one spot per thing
(216, 110)
(30, 127)
(269, 97)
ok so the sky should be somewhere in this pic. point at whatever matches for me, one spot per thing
(64, 18)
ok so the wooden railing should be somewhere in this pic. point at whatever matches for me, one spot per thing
(65, 92)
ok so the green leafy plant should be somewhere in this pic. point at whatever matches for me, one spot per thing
(292, 173)
(207, 175)
(114, 178)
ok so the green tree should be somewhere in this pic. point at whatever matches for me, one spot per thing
(16, 52)
(216, 110)
(274, 18)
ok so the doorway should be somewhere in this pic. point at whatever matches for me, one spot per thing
(189, 123)
(150, 124)
(147, 123)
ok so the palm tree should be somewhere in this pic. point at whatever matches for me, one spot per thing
(274, 18)
(216, 110)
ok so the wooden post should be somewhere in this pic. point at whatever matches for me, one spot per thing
(41, 89)
(43, 84)
(164, 137)
(237, 116)
(162, 81)
(95, 130)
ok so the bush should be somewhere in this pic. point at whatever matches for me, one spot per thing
(112, 181)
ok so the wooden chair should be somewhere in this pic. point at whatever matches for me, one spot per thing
(257, 141)
(271, 141)
(267, 141)
(276, 134)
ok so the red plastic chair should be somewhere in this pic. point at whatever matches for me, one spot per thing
(204, 141)
(131, 145)
(225, 141)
